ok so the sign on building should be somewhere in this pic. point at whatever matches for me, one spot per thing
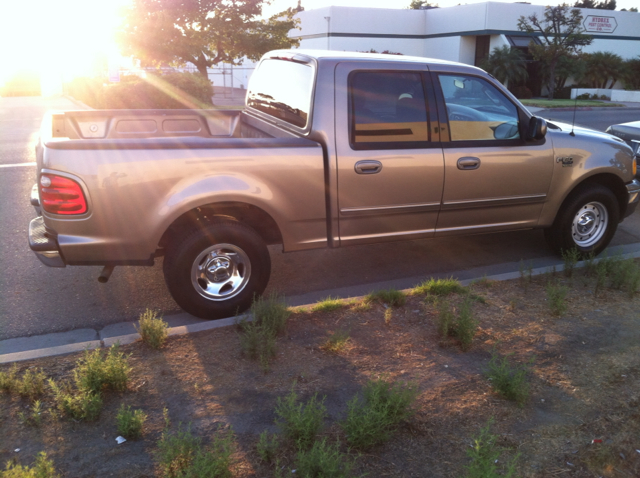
(595, 23)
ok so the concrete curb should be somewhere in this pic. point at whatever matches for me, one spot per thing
(199, 327)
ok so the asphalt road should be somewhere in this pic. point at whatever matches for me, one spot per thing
(35, 299)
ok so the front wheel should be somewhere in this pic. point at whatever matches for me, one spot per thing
(587, 221)
(215, 272)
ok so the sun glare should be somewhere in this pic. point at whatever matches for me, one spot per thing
(57, 39)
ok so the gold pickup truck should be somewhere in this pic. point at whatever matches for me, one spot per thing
(332, 149)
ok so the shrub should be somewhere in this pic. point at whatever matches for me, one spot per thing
(371, 419)
(557, 295)
(392, 297)
(130, 422)
(267, 446)
(508, 380)
(8, 379)
(300, 422)
(42, 468)
(95, 372)
(484, 456)
(323, 461)
(463, 326)
(182, 455)
(78, 404)
(152, 330)
(34, 417)
(570, 258)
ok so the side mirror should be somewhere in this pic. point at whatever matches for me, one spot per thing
(537, 128)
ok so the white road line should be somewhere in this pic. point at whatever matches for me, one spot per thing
(17, 165)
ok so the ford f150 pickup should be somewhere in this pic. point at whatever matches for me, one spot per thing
(332, 149)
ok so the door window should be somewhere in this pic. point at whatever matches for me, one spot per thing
(387, 110)
(477, 110)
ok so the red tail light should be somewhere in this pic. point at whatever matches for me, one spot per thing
(60, 195)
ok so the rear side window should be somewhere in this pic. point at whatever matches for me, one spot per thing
(388, 110)
(283, 89)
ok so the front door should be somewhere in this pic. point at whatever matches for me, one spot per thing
(495, 180)
(390, 162)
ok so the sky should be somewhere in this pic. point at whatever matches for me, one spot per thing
(61, 37)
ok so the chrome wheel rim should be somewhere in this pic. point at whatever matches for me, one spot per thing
(589, 224)
(220, 272)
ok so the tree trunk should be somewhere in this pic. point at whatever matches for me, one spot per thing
(552, 78)
(201, 65)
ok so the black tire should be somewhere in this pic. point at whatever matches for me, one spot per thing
(596, 213)
(215, 272)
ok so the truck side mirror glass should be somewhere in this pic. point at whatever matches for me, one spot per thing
(537, 128)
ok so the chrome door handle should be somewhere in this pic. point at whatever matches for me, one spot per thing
(368, 167)
(468, 163)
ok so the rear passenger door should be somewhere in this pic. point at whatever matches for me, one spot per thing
(390, 163)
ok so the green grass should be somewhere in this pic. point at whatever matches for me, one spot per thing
(42, 468)
(484, 456)
(509, 380)
(130, 422)
(541, 103)
(300, 422)
(323, 460)
(153, 330)
(440, 287)
(373, 417)
(337, 341)
(182, 454)
(391, 297)
(328, 304)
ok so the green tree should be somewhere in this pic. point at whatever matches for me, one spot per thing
(507, 65)
(602, 66)
(631, 74)
(421, 5)
(560, 33)
(568, 66)
(604, 5)
(202, 32)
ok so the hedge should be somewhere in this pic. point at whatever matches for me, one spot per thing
(169, 91)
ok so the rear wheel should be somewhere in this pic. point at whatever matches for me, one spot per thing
(215, 272)
(587, 221)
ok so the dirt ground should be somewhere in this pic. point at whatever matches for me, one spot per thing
(584, 379)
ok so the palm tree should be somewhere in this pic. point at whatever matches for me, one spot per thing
(507, 65)
(603, 66)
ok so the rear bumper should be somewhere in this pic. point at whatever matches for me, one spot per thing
(44, 245)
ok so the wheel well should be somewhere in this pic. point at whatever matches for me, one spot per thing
(614, 184)
(250, 215)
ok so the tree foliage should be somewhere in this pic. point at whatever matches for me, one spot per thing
(560, 33)
(631, 75)
(421, 5)
(602, 67)
(507, 65)
(603, 5)
(202, 32)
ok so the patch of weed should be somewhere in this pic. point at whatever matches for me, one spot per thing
(323, 460)
(95, 371)
(42, 468)
(34, 417)
(557, 298)
(526, 274)
(388, 315)
(31, 384)
(337, 341)
(300, 422)
(391, 297)
(570, 258)
(130, 422)
(590, 264)
(78, 404)
(509, 380)
(271, 312)
(328, 304)
(8, 379)
(484, 457)
(153, 330)
(372, 418)
(181, 454)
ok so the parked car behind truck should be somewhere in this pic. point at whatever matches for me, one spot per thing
(332, 149)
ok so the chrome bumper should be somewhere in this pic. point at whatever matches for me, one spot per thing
(633, 189)
(45, 247)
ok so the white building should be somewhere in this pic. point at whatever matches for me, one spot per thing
(464, 33)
